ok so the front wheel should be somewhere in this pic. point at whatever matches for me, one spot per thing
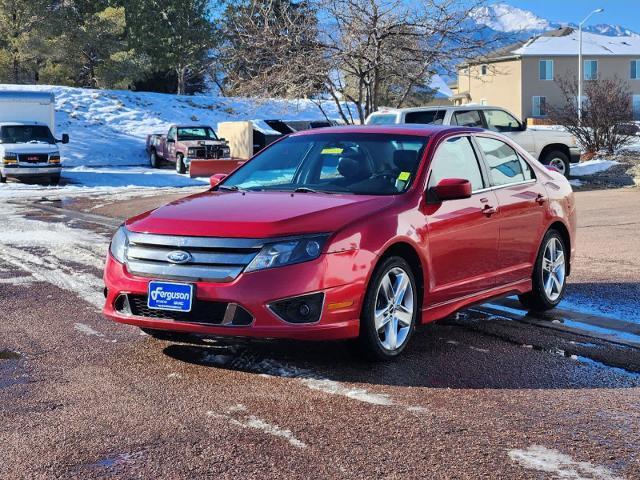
(558, 160)
(3, 179)
(549, 279)
(390, 310)
(180, 167)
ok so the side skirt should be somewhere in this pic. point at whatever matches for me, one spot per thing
(444, 309)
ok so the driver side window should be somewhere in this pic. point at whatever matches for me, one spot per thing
(501, 121)
(455, 158)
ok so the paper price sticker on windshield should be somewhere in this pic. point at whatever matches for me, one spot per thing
(404, 176)
(331, 151)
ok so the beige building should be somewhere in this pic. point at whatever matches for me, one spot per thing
(523, 77)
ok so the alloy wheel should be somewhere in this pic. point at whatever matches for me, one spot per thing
(553, 269)
(394, 307)
(558, 164)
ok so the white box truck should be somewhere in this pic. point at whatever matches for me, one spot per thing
(28, 146)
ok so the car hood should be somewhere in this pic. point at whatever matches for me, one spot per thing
(257, 214)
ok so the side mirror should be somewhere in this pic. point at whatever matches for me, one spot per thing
(214, 180)
(452, 189)
(523, 125)
(222, 139)
(65, 138)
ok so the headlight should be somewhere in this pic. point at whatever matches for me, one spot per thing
(119, 244)
(192, 152)
(288, 252)
(9, 157)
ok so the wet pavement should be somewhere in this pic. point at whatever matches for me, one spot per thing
(491, 392)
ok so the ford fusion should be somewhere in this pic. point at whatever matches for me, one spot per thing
(348, 233)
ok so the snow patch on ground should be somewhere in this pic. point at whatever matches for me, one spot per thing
(591, 167)
(547, 460)
(44, 250)
(87, 330)
(235, 415)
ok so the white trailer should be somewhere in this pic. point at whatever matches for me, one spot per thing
(28, 147)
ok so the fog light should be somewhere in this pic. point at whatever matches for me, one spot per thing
(303, 309)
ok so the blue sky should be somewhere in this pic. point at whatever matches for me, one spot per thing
(619, 12)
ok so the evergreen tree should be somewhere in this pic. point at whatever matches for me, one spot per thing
(177, 35)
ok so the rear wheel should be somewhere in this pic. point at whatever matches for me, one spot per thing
(559, 160)
(180, 167)
(153, 159)
(390, 310)
(3, 179)
(549, 278)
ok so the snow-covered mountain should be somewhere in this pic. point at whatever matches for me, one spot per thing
(502, 17)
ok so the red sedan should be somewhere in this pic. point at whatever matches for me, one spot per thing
(348, 232)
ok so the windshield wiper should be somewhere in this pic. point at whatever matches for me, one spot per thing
(306, 190)
(231, 188)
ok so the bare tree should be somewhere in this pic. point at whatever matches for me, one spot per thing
(385, 51)
(606, 106)
(269, 48)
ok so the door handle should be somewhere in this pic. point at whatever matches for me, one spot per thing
(540, 199)
(488, 210)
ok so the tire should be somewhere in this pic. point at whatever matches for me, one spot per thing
(388, 336)
(559, 160)
(180, 168)
(541, 298)
(3, 179)
(153, 159)
(54, 179)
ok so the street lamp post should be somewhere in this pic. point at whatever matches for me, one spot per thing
(597, 10)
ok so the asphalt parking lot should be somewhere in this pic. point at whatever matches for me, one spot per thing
(492, 392)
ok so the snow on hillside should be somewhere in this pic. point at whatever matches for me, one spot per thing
(506, 18)
(503, 17)
(109, 127)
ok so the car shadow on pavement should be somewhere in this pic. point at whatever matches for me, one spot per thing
(439, 356)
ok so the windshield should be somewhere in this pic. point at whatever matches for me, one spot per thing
(196, 133)
(382, 119)
(358, 163)
(26, 134)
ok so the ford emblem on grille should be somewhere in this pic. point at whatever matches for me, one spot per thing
(178, 256)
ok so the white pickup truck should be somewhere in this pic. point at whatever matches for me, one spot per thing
(551, 147)
(28, 147)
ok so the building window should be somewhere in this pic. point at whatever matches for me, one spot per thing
(546, 69)
(635, 69)
(539, 106)
(635, 102)
(483, 70)
(590, 69)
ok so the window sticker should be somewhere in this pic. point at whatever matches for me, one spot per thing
(331, 151)
(404, 176)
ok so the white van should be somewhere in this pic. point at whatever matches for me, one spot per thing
(28, 147)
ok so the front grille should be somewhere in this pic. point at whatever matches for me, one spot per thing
(207, 151)
(33, 157)
(202, 311)
(212, 259)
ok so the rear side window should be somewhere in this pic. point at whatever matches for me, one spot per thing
(435, 117)
(455, 158)
(504, 164)
(470, 118)
(382, 119)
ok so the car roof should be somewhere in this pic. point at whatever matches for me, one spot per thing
(468, 106)
(193, 125)
(422, 130)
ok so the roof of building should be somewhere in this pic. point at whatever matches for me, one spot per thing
(564, 42)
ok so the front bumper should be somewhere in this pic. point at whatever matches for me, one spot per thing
(574, 154)
(343, 291)
(30, 171)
